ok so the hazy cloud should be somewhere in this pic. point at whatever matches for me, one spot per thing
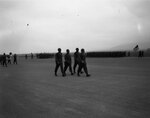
(91, 24)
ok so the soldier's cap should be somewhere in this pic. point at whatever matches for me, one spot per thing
(77, 48)
(59, 49)
(67, 50)
(82, 49)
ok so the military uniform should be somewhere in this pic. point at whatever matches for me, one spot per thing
(4, 60)
(15, 59)
(83, 63)
(59, 63)
(68, 63)
(76, 60)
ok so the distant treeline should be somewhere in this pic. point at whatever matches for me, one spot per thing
(100, 54)
(45, 55)
(89, 54)
(107, 54)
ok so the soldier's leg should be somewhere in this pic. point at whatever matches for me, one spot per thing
(62, 70)
(80, 68)
(70, 69)
(5, 63)
(74, 67)
(56, 69)
(81, 71)
(86, 70)
(65, 68)
(15, 61)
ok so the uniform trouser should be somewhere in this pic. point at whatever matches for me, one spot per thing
(57, 66)
(75, 65)
(9, 61)
(84, 66)
(4, 63)
(15, 61)
(66, 66)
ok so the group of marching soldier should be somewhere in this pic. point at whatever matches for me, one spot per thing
(7, 59)
(79, 60)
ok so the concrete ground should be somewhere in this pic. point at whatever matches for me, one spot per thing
(118, 88)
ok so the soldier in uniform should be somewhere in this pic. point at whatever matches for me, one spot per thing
(83, 63)
(9, 58)
(26, 56)
(4, 60)
(59, 62)
(15, 59)
(68, 62)
(31, 55)
(76, 59)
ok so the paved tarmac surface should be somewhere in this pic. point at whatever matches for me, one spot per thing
(118, 88)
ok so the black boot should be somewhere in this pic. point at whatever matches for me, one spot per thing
(88, 75)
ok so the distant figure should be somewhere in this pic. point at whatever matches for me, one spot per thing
(9, 61)
(9, 58)
(68, 62)
(26, 56)
(59, 62)
(31, 56)
(15, 59)
(76, 59)
(141, 53)
(4, 60)
(83, 63)
(136, 48)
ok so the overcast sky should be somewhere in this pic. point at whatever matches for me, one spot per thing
(90, 24)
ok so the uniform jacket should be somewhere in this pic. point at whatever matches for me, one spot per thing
(68, 58)
(58, 58)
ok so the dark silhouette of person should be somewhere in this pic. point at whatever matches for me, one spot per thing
(141, 53)
(15, 59)
(68, 62)
(31, 56)
(9, 58)
(83, 63)
(26, 56)
(9, 61)
(76, 59)
(4, 60)
(59, 62)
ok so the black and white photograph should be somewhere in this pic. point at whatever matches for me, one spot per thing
(74, 59)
